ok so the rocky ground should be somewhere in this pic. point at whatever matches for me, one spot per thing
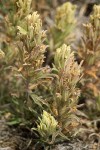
(18, 139)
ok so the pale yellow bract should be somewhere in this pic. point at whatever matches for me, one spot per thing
(47, 126)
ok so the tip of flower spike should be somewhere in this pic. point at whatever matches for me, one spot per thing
(65, 15)
(47, 126)
(62, 55)
(96, 12)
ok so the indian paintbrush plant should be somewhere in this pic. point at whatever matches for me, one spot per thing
(64, 90)
(89, 51)
(65, 22)
(23, 60)
(17, 11)
(62, 29)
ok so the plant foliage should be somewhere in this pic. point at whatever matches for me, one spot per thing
(90, 53)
